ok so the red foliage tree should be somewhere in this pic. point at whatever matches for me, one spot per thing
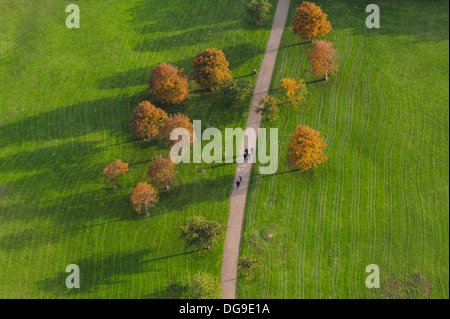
(162, 171)
(323, 58)
(144, 196)
(114, 169)
(167, 84)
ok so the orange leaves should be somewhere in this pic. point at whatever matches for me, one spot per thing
(147, 120)
(306, 148)
(144, 196)
(167, 84)
(310, 21)
(323, 58)
(176, 121)
(294, 91)
(113, 169)
(162, 171)
(211, 69)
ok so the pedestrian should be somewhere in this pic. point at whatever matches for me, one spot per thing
(237, 184)
(253, 150)
(246, 151)
(240, 178)
(254, 71)
(245, 156)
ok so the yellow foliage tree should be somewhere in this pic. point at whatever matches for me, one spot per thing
(305, 148)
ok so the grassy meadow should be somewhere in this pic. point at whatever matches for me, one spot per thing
(67, 99)
(382, 196)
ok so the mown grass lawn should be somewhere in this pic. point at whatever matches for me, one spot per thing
(67, 98)
(382, 197)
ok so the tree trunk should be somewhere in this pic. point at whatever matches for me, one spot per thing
(114, 183)
(326, 76)
(146, 210)
(167, 184)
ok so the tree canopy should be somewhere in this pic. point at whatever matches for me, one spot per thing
(147, 120)
(144, 196)
(305, 148)
(211, 69)
(114, 169)
(310, 22)
(168, 84)
(162, 171)
(323, 58)
(200, 233)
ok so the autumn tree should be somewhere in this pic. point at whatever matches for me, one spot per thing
(204, 286)
(176, 121)
(305, 148)
(323, 58)
(167, 84)
(294, 91)
(144, 196)
(310, 22)
(114, 169)
(249, 264)
(162, 171)
(211, 69)
(268, 106)
(147, 120)
(200, 233)
(258, 11)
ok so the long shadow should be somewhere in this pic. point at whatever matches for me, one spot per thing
(315, 81)
(75, 120)
(97, 271)
(171, 256)
(134, 77)
(280, 173)
(173, 17)
(174, 290)
(293, 45)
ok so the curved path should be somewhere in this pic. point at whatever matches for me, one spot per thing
(239, 196)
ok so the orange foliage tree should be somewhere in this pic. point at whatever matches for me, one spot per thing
(114, 169)
(305, 148)
(167, 84)
(294, 91)
(310, 21)
(323, 58)
(162, 171)
(144, 196)
(147, 120)
(176, 121)
(211, 69)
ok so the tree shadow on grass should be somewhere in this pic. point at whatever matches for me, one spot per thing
(73, 121)
(97, 271)
(174, 290)
(199, 190)
(133, 77)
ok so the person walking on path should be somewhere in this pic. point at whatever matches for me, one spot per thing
(240, 178)
(238, 183)
(230, 260)
(245, 157)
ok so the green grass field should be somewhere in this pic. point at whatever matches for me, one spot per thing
(382, 197)
(67, 98)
